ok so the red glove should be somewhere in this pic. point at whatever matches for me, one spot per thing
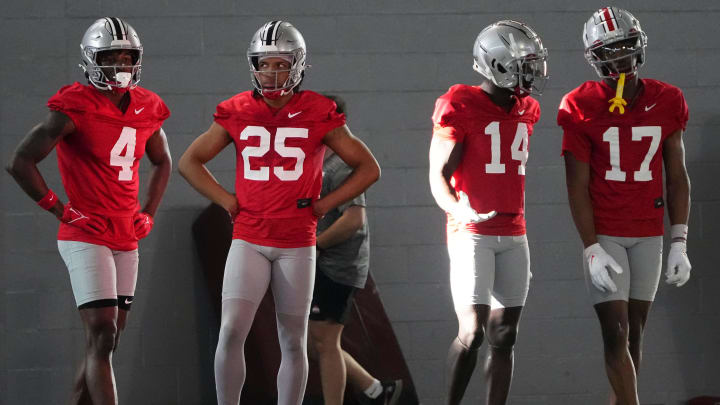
(92, 225)
(143, 224)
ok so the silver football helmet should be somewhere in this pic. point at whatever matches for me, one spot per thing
(512, 56)
(108, 34)
(614, 42)
(277, 39)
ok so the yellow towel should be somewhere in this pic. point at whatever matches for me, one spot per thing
(618, 101)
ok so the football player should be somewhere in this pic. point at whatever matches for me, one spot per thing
(100, 130)
(617, 135)
(477, 175)
(279, 134)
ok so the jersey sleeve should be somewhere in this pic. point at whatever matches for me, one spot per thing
(446, 119)
(329, 118)
(683, 114)
(162, 112)
(68, 100)
(574, 140)
(223, 114)
(535, 112)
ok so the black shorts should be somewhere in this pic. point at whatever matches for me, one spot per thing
(331, 301)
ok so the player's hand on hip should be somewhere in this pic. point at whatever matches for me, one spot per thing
(464, 213)
(599, 261)
(143, 223)
(231, 206)
(319, 209)
(73, 216)
(678, 264)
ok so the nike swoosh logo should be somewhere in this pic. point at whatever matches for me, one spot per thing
(128, 301)
(521, 112)
(292, 115)
(138, 111)
(649, 107)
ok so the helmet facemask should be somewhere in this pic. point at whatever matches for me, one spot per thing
(531, 75)
(112, 76)
(623, 56)
(268, 82)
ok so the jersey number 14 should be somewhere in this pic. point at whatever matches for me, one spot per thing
(518, 148)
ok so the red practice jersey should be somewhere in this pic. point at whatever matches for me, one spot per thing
(279, 165)
(495, 149)
(99, 161)
(624, 152)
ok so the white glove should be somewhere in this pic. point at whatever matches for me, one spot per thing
(678, 264)
(464, 213)
(598, 262)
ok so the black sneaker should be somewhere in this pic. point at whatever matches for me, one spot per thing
(390, 395)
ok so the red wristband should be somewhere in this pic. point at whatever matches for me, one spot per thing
(49, 200)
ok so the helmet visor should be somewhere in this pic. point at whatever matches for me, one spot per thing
(532, 74)
(617, 57)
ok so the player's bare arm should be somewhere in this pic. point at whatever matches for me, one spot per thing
(356, 154)
(192, 167)
(445, 157)
(158, 153)
(351, 221)
(36, 145)
(577, 178)
(677, 181)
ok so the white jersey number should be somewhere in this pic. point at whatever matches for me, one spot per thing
(612, 136)
(263, 173)
(518, 149)
(125, 142)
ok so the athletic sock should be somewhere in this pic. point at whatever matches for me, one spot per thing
(374, 390)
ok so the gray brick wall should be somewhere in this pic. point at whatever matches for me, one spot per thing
(389, 60)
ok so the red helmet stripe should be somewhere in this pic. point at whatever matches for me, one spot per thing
(608, 19)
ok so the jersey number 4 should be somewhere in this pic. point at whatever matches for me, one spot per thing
(612, 136)
(518, 149)
(126, 143)
(281, 134)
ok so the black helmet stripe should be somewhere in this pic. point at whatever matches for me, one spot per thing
(271, 32)
(119, 31)
(112, 26)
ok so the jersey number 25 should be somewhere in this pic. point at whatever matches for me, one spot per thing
(281, 134)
